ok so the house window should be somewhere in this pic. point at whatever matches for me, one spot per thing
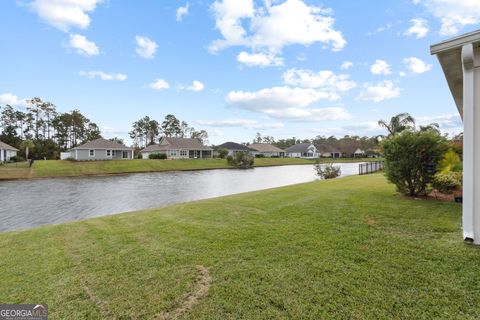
(125, 154)
(109, 153)
(183, 153)
(91, 153)
(173, 153)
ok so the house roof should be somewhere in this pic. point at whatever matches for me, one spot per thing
(301, 147)
(449, 54)
(170, 143)
(326, 148)
(102, 144)
(265, 147)
(5, 146)
(233, 146)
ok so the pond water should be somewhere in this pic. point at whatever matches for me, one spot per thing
(30, 203)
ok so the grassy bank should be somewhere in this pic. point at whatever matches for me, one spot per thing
(57, 168)
(348, 248)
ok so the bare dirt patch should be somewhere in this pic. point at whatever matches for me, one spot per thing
(191, 299)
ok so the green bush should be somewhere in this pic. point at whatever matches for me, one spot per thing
(241, 160)
(260, 155)
(327, 171)
(17, 159)
(222, 153)
(447, 182)
(411, 158)
(451, 162)
(158, 156)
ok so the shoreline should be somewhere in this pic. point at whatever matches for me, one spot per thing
(220, 167)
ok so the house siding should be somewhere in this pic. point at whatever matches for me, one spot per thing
(5, 155)
(100, 154)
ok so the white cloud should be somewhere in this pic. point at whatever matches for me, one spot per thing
(380, 67)
(276, 98)
(326, 81)
(386, 27)
(416, 65)
(243, 123)
(273, 26)
(196, 86)
(419, 28)
(11, 99)
(160, 84)
(378, 92)
(287, 103)
(146, 47)
(346, 65)
(83, 46)
(447, 122)
(453, 14)
(362, 126)
(65, 14)
(259, 59)
(182, 12)
(103, 75)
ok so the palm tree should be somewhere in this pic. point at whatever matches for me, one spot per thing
(398, 123)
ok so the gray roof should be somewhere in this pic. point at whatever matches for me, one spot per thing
(5, 146)
(103, 144)
(326, 148)
(301, 147)
(169, 143)
(233, 146)
(265, 147)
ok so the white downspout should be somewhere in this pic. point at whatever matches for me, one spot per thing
(471, 141)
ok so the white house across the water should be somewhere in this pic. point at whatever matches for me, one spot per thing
(179, 148)
(7, 152)
(302, 150)
(102, 149)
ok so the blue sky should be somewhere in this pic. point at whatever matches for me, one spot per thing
(234, 67)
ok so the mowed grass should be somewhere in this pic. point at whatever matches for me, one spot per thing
(349, 248)
(58, 168)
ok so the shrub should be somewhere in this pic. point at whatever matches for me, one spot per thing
(14, 159)
(222, 153)
(411, 158)
(159, 156)
(327, 171)
(450, 163)
(241, 160)
(447, 182)
(260, 155)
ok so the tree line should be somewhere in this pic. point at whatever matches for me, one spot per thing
(147, 131)
(44, 130)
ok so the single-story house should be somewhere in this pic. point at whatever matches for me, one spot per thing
(233, 148)
(7, 152)
(101, 149)
(359, 153)
(179, 148)
(267, 150)
(302, 150)
(327, 151)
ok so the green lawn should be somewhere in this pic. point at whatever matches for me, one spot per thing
(349, 248)
(57, 168)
